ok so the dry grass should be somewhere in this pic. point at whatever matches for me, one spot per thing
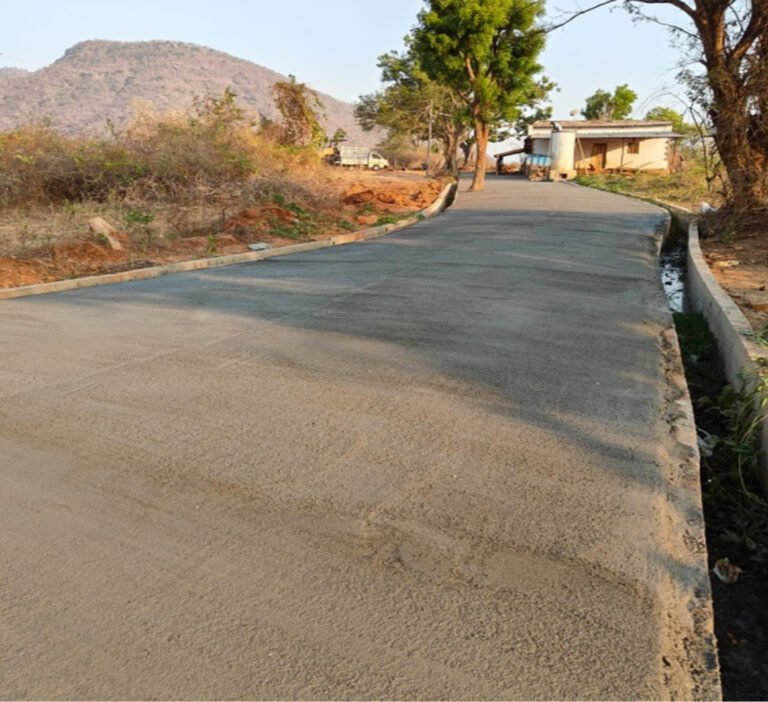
(164, 176)
(688, 187)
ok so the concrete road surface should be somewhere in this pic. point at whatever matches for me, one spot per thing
(436, 465)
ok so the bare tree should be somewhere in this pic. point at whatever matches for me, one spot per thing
(729, 40)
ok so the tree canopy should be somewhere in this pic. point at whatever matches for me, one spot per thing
(604, 105)
(667, 114)
(487, 52)
(413, 106)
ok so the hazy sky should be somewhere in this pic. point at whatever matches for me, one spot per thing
(333, 44)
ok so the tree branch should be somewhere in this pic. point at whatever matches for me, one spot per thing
(756, 27)
(575, 15)
(679, 4)
(470, 71)
(673, 27)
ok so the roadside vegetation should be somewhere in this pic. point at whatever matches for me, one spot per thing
(203, 182)
(685, 188)
(163, 176)
(469, 74)
(735, 507)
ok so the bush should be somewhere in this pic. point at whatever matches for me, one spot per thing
(186, 173)
(180, 157)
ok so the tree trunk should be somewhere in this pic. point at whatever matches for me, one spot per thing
(744, 157)
(481, 134)
(735, 55)
(450, 149)
(740, 135)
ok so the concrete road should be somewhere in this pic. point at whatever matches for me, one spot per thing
(435, 465)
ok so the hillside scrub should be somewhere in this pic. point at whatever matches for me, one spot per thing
(176, 186)
(158, 157)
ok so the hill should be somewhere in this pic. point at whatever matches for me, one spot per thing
(10, 73)
(96, 81)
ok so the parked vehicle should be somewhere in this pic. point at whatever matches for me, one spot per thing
(360, 156)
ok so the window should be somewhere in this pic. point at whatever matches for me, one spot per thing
(633, 147)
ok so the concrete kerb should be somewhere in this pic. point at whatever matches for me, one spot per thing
(741, 355)
(726, 321)
(691, 608)
(733, 332)
(444, 200)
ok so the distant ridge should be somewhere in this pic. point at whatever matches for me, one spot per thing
(9, 73)
(98, 80)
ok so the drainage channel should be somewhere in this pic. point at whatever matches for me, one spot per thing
(736, 521)
(672, 262)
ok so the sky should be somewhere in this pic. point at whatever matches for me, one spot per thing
(333, 44)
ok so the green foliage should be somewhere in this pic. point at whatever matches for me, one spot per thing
(411, 102)
(139, 222)
(487, 51)
(186, 172)
(138, 217)
(727, 419)
(219, 113)
(367, 208)
(743, 410)
(338, 136)
(386, 219)
(687, 187)
(156, 157)
(303, 225)
(611, 183)
(760, 336)
(604, 105)
(667, 114)
(726, 76)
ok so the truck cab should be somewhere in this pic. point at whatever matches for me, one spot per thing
(377, 161)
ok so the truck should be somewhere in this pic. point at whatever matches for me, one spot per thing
(360, 156)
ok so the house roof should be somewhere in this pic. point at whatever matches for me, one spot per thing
(600, 123)
(605, 129)
(633, 134)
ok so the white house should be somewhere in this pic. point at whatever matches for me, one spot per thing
(595, 146)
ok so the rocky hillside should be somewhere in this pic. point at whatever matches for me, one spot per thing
(96, 81)
(9, 73)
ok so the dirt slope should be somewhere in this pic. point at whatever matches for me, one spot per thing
(362, 200)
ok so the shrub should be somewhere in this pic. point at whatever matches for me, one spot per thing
(184, 173)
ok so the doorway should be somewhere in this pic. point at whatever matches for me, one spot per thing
(599, 157)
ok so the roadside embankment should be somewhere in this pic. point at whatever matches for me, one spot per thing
(743, 359)
(444, 200)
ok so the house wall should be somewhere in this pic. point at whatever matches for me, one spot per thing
(652, 154)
